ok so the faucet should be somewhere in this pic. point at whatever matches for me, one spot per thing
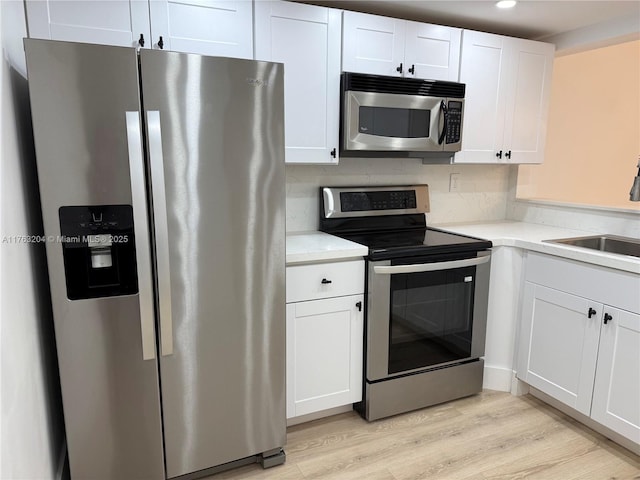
(634, 194)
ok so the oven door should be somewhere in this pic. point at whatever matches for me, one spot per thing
(426, 312)
(385, 121)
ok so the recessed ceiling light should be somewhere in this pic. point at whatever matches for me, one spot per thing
(506, 4)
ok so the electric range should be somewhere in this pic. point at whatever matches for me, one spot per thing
(426, 298)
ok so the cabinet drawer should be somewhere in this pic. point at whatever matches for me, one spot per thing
(324, 280)
(600, 284)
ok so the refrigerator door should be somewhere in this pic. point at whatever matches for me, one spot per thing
(91, 175)
(216, 150)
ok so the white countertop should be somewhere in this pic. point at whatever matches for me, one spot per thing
(530, 236)
(303, 247)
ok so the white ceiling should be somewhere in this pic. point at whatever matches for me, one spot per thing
(533, 19)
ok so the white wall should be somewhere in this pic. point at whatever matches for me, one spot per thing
(32, 434)
(482, 195)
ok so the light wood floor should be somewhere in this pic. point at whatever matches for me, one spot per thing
(488, 436)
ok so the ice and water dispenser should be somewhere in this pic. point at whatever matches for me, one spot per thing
(98, 247)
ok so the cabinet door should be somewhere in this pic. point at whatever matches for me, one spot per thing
(115, 22)
(324, 354)
(432, 51)
(528, 92)
(616, 394)
(483, 68)
(372, 44)
(306, 39)
(222, 28)
(561, 344)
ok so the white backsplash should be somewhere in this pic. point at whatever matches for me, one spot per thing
(588, 218)
(482, 196)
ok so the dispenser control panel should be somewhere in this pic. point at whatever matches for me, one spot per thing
(98, 247)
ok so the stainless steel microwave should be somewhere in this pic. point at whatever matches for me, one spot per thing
(391, 116)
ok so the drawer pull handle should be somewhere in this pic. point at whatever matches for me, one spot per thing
(325, 281)
(359, 306)
(607, 318)
(591, 312)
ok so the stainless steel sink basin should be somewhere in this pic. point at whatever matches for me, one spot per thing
(604, 243)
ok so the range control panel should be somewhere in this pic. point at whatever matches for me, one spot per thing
(454, 122)
(381, 200)
(350, 202)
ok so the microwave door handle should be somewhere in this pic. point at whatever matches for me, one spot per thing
(430, 267)
(444, 112)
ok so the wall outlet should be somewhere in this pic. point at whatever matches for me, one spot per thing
(454, 182)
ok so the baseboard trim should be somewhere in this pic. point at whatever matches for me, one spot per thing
(497, 378)
(63, 472)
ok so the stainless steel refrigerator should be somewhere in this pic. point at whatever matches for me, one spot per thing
(162, 184)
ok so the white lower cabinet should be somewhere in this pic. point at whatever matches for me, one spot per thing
(324, 337)
(578, 348)
(564, 344)
(616, 392)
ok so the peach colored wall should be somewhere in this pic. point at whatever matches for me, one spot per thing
(593, 135)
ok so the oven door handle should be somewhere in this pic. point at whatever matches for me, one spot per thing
(430, 267)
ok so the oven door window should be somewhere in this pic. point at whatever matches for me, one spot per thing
(431, 318)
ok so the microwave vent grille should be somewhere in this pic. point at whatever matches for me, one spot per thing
(404, 86)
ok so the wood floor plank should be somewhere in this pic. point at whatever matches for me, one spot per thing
(491, 436)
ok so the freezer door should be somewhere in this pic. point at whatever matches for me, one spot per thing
(91, 175)
(216, 149)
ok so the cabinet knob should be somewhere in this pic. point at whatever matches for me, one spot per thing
(591, 312)
(412, 70)
(399, 69)
(160, 43)
(607, 318)
(508, 154)
(333, 153)
(141, 40)
(325, 281)
(499, 154)
(359, 306)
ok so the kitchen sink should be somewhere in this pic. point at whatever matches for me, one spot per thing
(604, 243)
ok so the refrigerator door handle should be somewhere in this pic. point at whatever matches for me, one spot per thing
(141, 231)
(161, 230)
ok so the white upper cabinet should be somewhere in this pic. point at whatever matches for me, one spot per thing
(113, 22)
(306, 39)
(507, 98)
(401, 48)
(207, 27)
(432, 51)
(221, 28)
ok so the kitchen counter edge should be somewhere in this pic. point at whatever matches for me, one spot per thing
(314, 247)
(531, 236)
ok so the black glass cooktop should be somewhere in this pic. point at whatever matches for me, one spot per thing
(391, 221)
(402, 243)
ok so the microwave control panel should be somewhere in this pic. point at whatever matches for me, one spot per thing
(454, 121)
